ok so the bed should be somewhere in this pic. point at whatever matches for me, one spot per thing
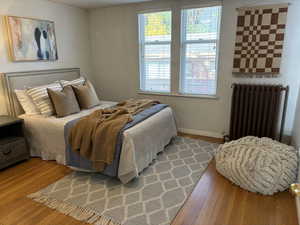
(46, 135)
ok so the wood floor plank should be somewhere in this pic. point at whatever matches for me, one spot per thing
(214, 201)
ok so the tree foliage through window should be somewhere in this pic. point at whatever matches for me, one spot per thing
(158, 24)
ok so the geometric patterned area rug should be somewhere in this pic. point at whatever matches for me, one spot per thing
(154, 198)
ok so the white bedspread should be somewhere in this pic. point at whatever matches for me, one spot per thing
(141, 143)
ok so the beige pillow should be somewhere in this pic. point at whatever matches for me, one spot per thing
(27, 103)
(64, 101)
(86, 95)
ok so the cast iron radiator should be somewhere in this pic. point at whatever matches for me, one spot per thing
(255, 111)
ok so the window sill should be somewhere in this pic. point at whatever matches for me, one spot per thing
(214, 97)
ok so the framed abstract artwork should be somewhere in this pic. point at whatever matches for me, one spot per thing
(31, 39)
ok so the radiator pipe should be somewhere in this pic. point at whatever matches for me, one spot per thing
(287, 89)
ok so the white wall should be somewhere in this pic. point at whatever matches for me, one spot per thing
(72, 35)
(296, 130)
(114, 38)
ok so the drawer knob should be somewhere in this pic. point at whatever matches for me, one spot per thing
(7, 152)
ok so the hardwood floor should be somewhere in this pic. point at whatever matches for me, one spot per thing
(214, 201)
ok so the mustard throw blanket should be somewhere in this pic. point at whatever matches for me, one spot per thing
(94, 136)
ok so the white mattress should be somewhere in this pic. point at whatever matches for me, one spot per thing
(141, 143)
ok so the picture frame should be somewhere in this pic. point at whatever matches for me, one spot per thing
(31, 40)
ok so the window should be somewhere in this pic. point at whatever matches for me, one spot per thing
(155, 51)
(196, 39)
(199, 40)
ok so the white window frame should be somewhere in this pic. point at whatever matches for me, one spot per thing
(143, 43)
(177, 49)
(184, 43)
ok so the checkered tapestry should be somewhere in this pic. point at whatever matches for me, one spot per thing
(259, 40)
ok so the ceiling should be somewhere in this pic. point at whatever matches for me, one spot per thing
(88, 4)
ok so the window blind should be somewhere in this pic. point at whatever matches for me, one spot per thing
(155, 51)
(199, 40)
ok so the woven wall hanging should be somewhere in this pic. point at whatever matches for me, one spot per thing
(259, 40)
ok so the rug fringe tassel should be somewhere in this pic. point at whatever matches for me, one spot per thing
(81, 214)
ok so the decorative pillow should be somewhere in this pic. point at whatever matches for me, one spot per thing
(258, 164)
(41, 99)
(86, 95)
(64, 101)
(79, 81)
(26, 102)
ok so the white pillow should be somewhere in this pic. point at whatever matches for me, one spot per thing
(27, 103)
(41, 98)
(79, 81)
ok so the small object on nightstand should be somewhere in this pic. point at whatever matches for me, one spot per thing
(13, 147)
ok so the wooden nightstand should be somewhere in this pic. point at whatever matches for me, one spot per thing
(13, 147)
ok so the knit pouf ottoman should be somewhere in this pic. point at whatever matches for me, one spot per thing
(259, 165)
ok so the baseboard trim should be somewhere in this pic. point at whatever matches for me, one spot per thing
(201, 132)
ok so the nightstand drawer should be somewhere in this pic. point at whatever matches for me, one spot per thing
(12, 150)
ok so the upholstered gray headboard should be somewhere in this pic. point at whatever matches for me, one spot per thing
(21, 80)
